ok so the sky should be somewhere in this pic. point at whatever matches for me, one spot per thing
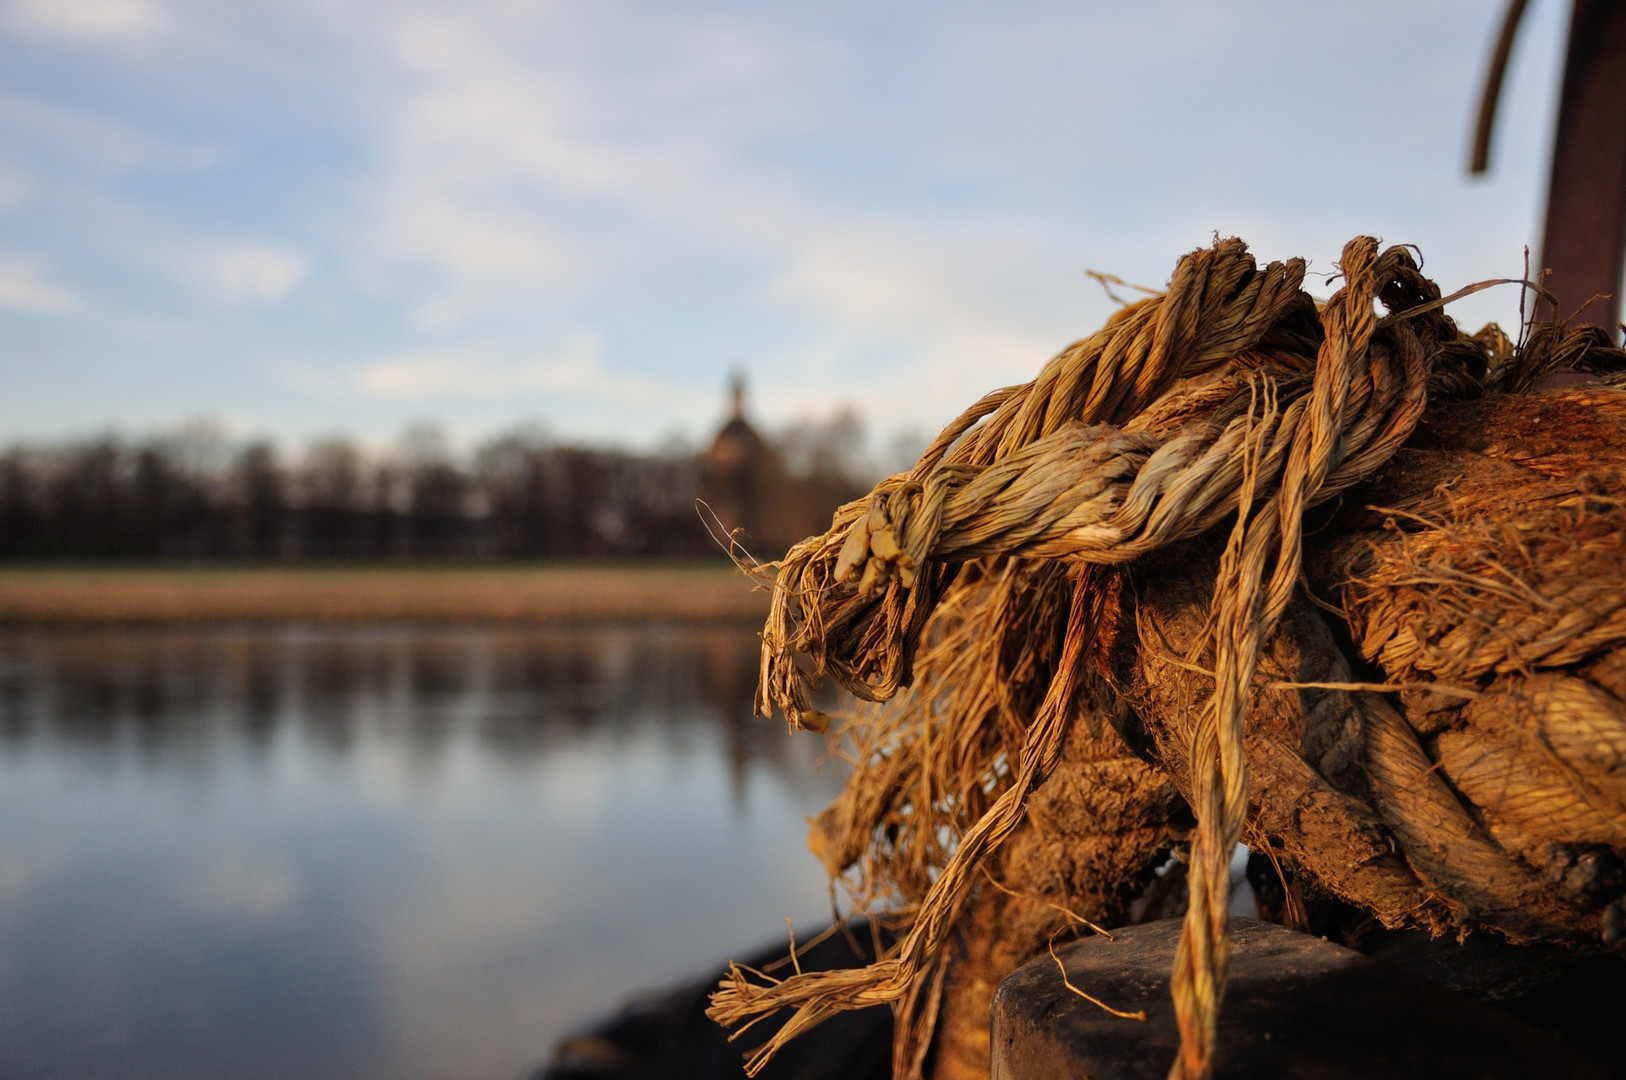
(308, 217)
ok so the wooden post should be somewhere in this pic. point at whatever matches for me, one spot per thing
(1584, 243)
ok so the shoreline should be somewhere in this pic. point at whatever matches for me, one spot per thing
(485, 593)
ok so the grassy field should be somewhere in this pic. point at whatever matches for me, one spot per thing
(81, 596)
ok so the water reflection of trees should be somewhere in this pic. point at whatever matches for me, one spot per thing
(327, 683)
(260, 689)
(513, 694)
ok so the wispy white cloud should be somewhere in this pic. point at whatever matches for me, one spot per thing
(15, 188)
(481, 371)
(483, 256)
(25, 286)
(516, 166)
(571, 368)
(244, 272)
(973, 294)
(115, 21)
(475, 153)
(99, 141)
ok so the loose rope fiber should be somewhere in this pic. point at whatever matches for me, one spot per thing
(1232, 396)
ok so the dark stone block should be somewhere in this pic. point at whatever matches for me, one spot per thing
(1296, 1006)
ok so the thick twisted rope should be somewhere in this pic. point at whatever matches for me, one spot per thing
(1229, 394)
(1244, 619)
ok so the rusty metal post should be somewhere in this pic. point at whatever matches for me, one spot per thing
(1584, 243)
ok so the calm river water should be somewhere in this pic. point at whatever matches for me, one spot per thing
(378, 852)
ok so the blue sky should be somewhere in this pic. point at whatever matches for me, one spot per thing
(312, 216)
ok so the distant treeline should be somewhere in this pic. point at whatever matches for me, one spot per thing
(196, 496)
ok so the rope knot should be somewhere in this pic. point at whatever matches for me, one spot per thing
(874, 551)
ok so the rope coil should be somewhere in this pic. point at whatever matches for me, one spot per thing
(1230, 396)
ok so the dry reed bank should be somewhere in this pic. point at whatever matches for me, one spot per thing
(80, 596)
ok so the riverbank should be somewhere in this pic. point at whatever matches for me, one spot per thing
(65, 596)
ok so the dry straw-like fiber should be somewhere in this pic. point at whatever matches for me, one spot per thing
(1089, 595)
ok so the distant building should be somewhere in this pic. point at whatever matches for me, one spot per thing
(737, 472)
(744, 481)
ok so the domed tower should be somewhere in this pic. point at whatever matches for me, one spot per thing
(734, 471)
